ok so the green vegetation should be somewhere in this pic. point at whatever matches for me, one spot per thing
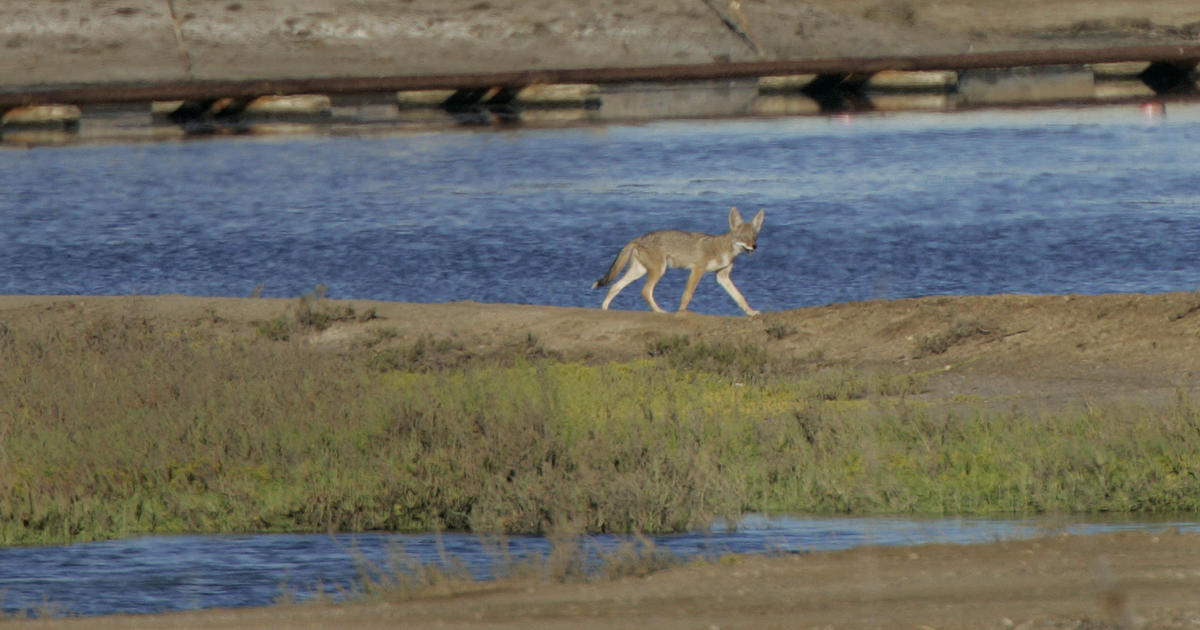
(124, 428)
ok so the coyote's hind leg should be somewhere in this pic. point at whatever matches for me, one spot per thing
(636, 270)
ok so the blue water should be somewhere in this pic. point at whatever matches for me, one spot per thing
(1052, 201)
(158, 574)
(1056, 201)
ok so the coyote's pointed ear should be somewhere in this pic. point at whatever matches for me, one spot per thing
(757, 221)
(735, 218)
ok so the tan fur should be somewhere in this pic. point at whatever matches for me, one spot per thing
(655, 252)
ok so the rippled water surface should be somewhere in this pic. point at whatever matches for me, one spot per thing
(1088, 201)
(157, 574)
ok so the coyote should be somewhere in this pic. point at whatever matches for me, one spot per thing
(652, 253)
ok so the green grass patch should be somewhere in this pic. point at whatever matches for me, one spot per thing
(125, 428)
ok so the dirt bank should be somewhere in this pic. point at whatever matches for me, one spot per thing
(1009, 349)
(91, 41)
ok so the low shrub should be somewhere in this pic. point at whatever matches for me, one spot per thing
(125, 428)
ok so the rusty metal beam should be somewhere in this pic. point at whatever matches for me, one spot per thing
(85, 94)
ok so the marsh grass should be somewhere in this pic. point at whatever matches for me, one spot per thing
(403, 576)
(570, 559)
(126, 428)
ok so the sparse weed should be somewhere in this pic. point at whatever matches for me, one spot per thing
(312, 312)
(667, 345)
(532, 348)
(839, 383)
(898, 384)
(425, 354)
(379, 336)
(959, 331)
(778, 330)
(738, 361)
(570, 559)
(275, 329)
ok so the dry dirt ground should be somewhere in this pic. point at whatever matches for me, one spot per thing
(1010, 350)
(1026, 350)
(66, 41)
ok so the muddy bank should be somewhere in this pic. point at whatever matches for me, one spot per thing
(89, 41)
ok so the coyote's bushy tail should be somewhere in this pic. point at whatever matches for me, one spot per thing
(618, 263)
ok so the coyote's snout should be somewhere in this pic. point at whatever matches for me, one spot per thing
(701, 253)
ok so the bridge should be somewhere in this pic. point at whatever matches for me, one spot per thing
(827, 85)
